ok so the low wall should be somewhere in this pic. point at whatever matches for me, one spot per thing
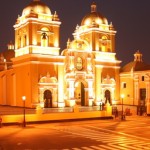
(39, 116)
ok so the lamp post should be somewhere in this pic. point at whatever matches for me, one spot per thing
(122, 97)
(24, 111)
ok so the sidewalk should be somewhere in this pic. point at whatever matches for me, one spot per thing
(132, 118)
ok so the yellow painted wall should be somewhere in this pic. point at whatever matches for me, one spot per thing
(57, 116)
(129, 90)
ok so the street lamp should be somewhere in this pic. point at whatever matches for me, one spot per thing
(122, 97)
(24, 112)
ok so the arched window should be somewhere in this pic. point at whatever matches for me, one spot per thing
(44, 40)
(44, 37)
(47, 99)
(19, 42)
(108, 96)
(103, 43)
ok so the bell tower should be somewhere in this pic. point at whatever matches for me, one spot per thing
(100, 36)
(96, 31)
(37, 30)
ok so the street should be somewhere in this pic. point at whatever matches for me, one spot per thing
(131, 134)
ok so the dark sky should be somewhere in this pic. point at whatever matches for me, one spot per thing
(131, 19)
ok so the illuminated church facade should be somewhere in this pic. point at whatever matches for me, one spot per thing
(86, 73)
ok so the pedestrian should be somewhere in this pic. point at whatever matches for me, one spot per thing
(0, 121)
(100, 106)
(103, 105)
(116, 112)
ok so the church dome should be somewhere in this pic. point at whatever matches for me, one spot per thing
(36, 6)
(136, 65)
(94, 17)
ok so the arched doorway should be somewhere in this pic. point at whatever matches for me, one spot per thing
(80, 93)
(107, 96)
(47, 99)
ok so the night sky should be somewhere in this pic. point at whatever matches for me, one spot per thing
(131, 19)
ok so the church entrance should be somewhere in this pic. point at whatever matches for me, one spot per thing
(80, 93)
(47, 99)
(142, 101)
(107, 96)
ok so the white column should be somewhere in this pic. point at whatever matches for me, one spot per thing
(90, 85)
(55, 97)
(71, 89)
(112, 94)
(136, 93)
(41, 95)
(61, 86)
(97, 83)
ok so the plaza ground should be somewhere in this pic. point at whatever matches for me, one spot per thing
(114, 134)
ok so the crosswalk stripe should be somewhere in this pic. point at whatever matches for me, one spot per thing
(129, 135)
(117, 141)
(107, 147)
(116, 146)
(133, 142)
(130, 147)
(108, 141)
(113, 138)
(144, 146)
(148, 144)
(97, 148)
(86, 148)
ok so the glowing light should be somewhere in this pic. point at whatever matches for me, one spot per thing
(89, 68)
(97, 103)
(23, 98)
(56, 43)
(98, 21)
(90, 102)
(34, 42)
(41, 104)
(61, 105)
(122, 95)
(71, 67)
(11, 46)
(106, 56)
(44, 17)
(114, 102)
(72, 103)
(104, 37)
(87, 22)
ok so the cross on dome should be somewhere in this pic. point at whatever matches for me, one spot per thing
(93, 7)
(138, 56)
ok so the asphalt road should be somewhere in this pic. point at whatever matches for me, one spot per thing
(132, 134)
